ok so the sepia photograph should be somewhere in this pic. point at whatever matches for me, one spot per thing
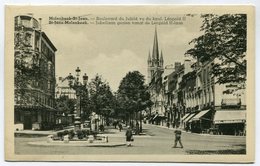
(129, 83)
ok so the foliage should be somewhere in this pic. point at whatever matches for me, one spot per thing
(85, 103)
(65, 104)
(133, 95)
(82, 91)
(101, 97)
(80, 134)
(225, 41)
(29, 68)
(65, 132)
(85, 132)
(60, 135)
(71, 134)
(26, 67)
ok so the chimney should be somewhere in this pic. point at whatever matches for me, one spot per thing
(40, 24)
(187, 66)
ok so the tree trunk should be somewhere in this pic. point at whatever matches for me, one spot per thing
(141, 127)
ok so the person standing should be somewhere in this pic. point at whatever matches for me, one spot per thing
(168, 124)
(129, 136)
(177, 133)
(137, 129)
(120, 126)
(115, 123)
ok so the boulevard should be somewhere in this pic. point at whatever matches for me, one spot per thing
(157, 140)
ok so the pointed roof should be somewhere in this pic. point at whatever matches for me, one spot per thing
(149, 57)
(155, 54)
(161, 58)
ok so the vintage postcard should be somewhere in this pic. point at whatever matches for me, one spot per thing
(130, 83)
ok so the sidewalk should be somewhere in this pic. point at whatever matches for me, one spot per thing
(112, 132)
(40, 132)
(210, 135)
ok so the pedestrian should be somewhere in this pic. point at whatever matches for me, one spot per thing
(120, 126)
(129, 136)
(168, 124)
(115, 123)
(137, 128)
(177, 138)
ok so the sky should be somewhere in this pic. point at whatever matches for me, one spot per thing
(112, 51)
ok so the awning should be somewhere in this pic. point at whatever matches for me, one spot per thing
(35, 107)
(199, 115)
(159, 116)
(155, 116)
(226, 117)
(185, 116)
(188, 118)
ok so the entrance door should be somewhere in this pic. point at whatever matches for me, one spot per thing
(27, 123)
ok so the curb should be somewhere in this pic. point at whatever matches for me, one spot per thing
(164, 127)
(78, 144)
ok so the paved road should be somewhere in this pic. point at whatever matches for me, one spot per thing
(158, 141)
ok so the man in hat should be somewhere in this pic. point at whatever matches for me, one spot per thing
(177, 138)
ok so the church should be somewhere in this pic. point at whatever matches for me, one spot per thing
(154, 80)
(155, 63)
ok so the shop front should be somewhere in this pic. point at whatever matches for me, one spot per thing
(187, 121)
(230, 122)
(201, 122)
(34, 118)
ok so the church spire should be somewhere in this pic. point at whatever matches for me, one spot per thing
(149, 58)
(161, 59)
(155, 54)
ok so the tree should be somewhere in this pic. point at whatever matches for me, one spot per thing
(26, 68)
(65, 104)
(101, 97)
(225, 40)
(85, 103)
(133, 95)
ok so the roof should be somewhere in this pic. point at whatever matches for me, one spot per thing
(49, 41)
(155, 53)
(230, 116)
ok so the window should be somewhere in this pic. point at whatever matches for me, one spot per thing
(17, 39)
(27, 39)
(37, 42)
(35, 24)
(49, 66)
(49, 85)
(208, 75)
(26, 22)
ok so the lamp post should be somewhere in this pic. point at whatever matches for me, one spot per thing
(75, 84)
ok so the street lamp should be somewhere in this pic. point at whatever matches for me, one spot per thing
(75, 84)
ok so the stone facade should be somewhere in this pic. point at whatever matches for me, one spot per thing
(34, 56)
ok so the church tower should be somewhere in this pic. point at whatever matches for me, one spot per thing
(155, 62)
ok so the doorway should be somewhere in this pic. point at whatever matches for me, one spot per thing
(27, 123)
